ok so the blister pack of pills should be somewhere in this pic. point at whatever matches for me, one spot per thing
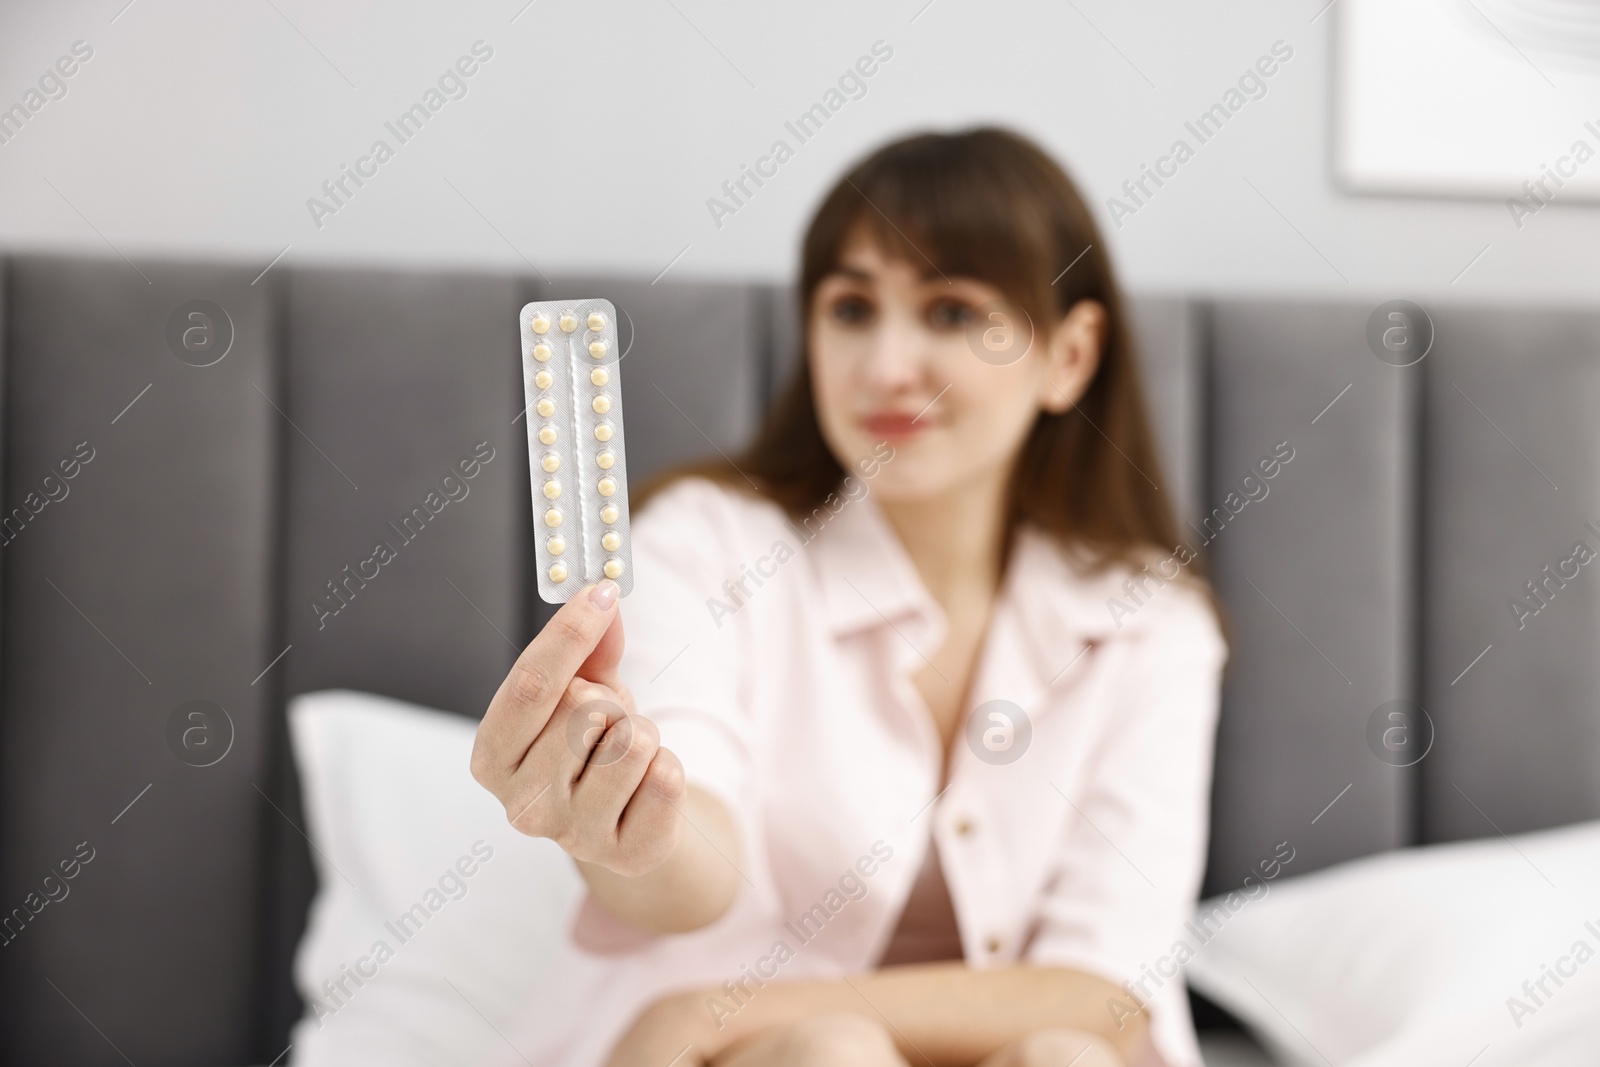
(571, 379)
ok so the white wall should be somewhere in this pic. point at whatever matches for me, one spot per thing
(595, 134)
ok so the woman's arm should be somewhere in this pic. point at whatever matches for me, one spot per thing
(946, 1014)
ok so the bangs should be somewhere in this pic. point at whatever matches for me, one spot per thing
(949, 211)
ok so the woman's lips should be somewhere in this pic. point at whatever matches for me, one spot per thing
(892, 424)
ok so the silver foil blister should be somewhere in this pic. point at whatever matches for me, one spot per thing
(572, 382)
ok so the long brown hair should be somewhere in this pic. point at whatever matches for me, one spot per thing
(988, 204)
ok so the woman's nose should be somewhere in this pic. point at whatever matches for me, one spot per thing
(899, 355)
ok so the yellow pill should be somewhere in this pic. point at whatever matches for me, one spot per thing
(597, 321)
(607, 486)
(569, 322)
(613, 568)
(547, 434)
(552, 517)
(544, 379)
(609, 513)
(541, 352)
(611, 541)
(552, 488)
(551, 462)
(599, 376)
(606, 459)
(558, 571)
(546, 407)
(602, 431)
(597, 349)
(601, 404)
(540, 324)
(556, 545)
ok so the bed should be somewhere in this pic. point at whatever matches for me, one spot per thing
(177, 570)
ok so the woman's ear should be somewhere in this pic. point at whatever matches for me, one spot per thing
(1072, 355)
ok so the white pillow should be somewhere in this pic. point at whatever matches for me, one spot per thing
(1413, 957)
(397, 822)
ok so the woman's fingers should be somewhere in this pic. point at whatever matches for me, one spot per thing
(653, 818)
(584, 777)
(1077, 1047)
(601, 665)
(522, 706)
(584, 717)
(615, 768)
(577, 725)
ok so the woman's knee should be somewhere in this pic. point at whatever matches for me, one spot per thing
(838, 1041)
(1061, 1048)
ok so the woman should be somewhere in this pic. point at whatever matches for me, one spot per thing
(883, 776)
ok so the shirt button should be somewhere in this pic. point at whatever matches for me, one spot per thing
(993, 944)
(964, 827)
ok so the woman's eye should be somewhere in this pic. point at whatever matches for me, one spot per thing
(851, 310)
(950, 315)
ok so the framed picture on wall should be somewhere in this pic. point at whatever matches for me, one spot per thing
(1498, 99)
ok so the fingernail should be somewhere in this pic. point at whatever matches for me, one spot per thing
(604, 595)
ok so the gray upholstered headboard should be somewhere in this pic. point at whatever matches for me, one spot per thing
(182, 561)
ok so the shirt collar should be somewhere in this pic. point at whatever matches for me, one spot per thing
(866, 577)
(1060, 603)
(868, 580)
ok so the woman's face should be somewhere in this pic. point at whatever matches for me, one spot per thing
(935, 368)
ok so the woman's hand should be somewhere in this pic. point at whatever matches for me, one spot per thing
(563, 749)
(659, 1035)
(943, 1014)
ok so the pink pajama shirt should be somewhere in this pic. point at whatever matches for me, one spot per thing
(777, 661)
